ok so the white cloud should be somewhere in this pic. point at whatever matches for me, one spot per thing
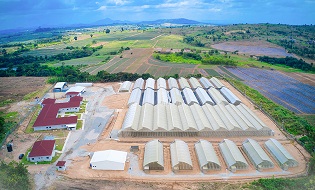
(102, 8)
(119, 2)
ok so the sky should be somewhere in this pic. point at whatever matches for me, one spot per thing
(35, 13)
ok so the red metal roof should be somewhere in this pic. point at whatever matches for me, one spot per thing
(48, 115)
(61, 163)
(72, 93)
(42, 148)
(48, 101)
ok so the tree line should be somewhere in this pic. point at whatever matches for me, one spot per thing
(288, 61)
(14, 59)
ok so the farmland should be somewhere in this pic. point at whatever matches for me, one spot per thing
(286, 91)
(45, 51)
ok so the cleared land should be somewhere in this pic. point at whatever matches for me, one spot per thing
(15, 88)
(253, 48)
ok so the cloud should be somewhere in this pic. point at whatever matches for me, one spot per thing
(119, 2)
(102, 8)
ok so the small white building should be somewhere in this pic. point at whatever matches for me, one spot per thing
(108, 160)
(75, 91)
(61, 165)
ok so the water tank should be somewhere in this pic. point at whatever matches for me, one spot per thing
(9, 147)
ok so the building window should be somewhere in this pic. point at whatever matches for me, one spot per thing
(32, 158)
(47, 157)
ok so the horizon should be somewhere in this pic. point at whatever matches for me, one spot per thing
(35, 13)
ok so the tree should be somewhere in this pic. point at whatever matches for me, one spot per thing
(2, 127)
(91, 35)
(14, 176)
(75, 38)
(107, 31)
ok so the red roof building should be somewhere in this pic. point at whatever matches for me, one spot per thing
(47, 118)
(42, 148)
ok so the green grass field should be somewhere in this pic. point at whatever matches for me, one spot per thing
(82, 61)
(43, 52)
(212, 72)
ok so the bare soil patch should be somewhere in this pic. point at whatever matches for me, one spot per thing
(253, 48)
(302, 77)
(16, 88)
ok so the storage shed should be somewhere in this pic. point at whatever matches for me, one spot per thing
(172, 83)
(148, 96)
(150, 83)
(183, 83)
(153, 156)
(205, 83)
(203, 96)
(216, 83)
(139, 84)
(232, 156)
(125, 86)
(176, 96)
(194, 83)
(190, 96)
(161, 83)
(230, 96)
(108, 160)
(207, 157)
(135, 96)
(257, 155)
(59, 86)
(280, 154)
(180, 156)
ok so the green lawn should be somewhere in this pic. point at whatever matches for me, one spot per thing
(29, 128)
(79, 124)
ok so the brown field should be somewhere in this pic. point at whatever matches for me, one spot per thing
(139, 60)
(79, 168)
(16, 88)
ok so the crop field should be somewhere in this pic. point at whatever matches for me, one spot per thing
(175, 42)
(212, 72)
(143, 36)
(45, 51)
(82, 61)
(286, 91)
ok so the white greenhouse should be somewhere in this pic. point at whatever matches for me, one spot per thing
(180, 156)
(148, 96)
(203, 96)
(279, 153)
(139, 84)
(125, 86)
(153, 156)
(216, 82)
(230, 96)
(161, 83)
(257, 155)
(176, 96)
(232, 156)
(183, 83)
(150, 83)
(190, 96)
(172, 83)
(108, 160)
(135, 97)
(194, 83)
(217, 96)
(207, 157)
(205, 83)
(162, 96)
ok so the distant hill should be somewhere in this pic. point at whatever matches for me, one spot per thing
(108, 21)
(171, 21)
